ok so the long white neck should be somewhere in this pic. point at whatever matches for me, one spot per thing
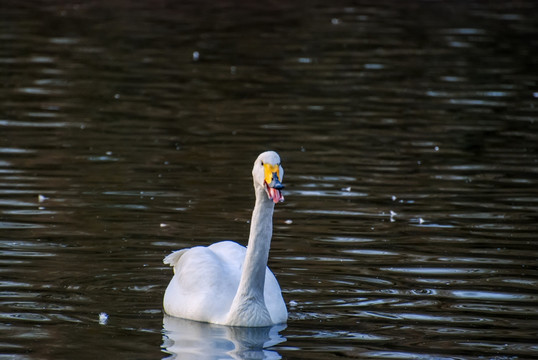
(249, 300)
(259, 241)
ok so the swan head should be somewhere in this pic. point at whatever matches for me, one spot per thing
(268, 174)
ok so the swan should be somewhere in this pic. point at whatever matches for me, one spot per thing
(226, 283)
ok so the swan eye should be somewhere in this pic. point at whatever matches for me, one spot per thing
(262, 163)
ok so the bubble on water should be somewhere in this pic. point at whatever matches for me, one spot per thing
(103, 318)
(195, 56)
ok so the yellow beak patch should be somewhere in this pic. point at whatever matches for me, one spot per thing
(269, 170)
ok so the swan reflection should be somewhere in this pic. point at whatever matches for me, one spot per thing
(186, 339)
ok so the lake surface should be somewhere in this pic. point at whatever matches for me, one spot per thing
(408, 131)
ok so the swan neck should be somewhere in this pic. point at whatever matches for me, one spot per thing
(252, 282)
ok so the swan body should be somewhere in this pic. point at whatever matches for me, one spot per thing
(226, 283)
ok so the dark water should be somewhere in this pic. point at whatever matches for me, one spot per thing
(409, 136)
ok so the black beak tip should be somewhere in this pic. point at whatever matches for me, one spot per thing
(275, 184)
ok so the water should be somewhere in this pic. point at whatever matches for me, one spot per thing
(408, 132)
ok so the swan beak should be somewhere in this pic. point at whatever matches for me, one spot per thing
(272, 182)
(272, 176)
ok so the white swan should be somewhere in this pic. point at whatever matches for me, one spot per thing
(226, 283)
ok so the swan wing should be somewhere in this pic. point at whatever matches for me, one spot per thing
(205, 281)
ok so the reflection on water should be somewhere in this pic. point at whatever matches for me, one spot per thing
(408, 130)
(185, 339)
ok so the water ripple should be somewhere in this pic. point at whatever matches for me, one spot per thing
(408, 133)
(439, 270)
(494, 296)
(19, 225)
(40, 124)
